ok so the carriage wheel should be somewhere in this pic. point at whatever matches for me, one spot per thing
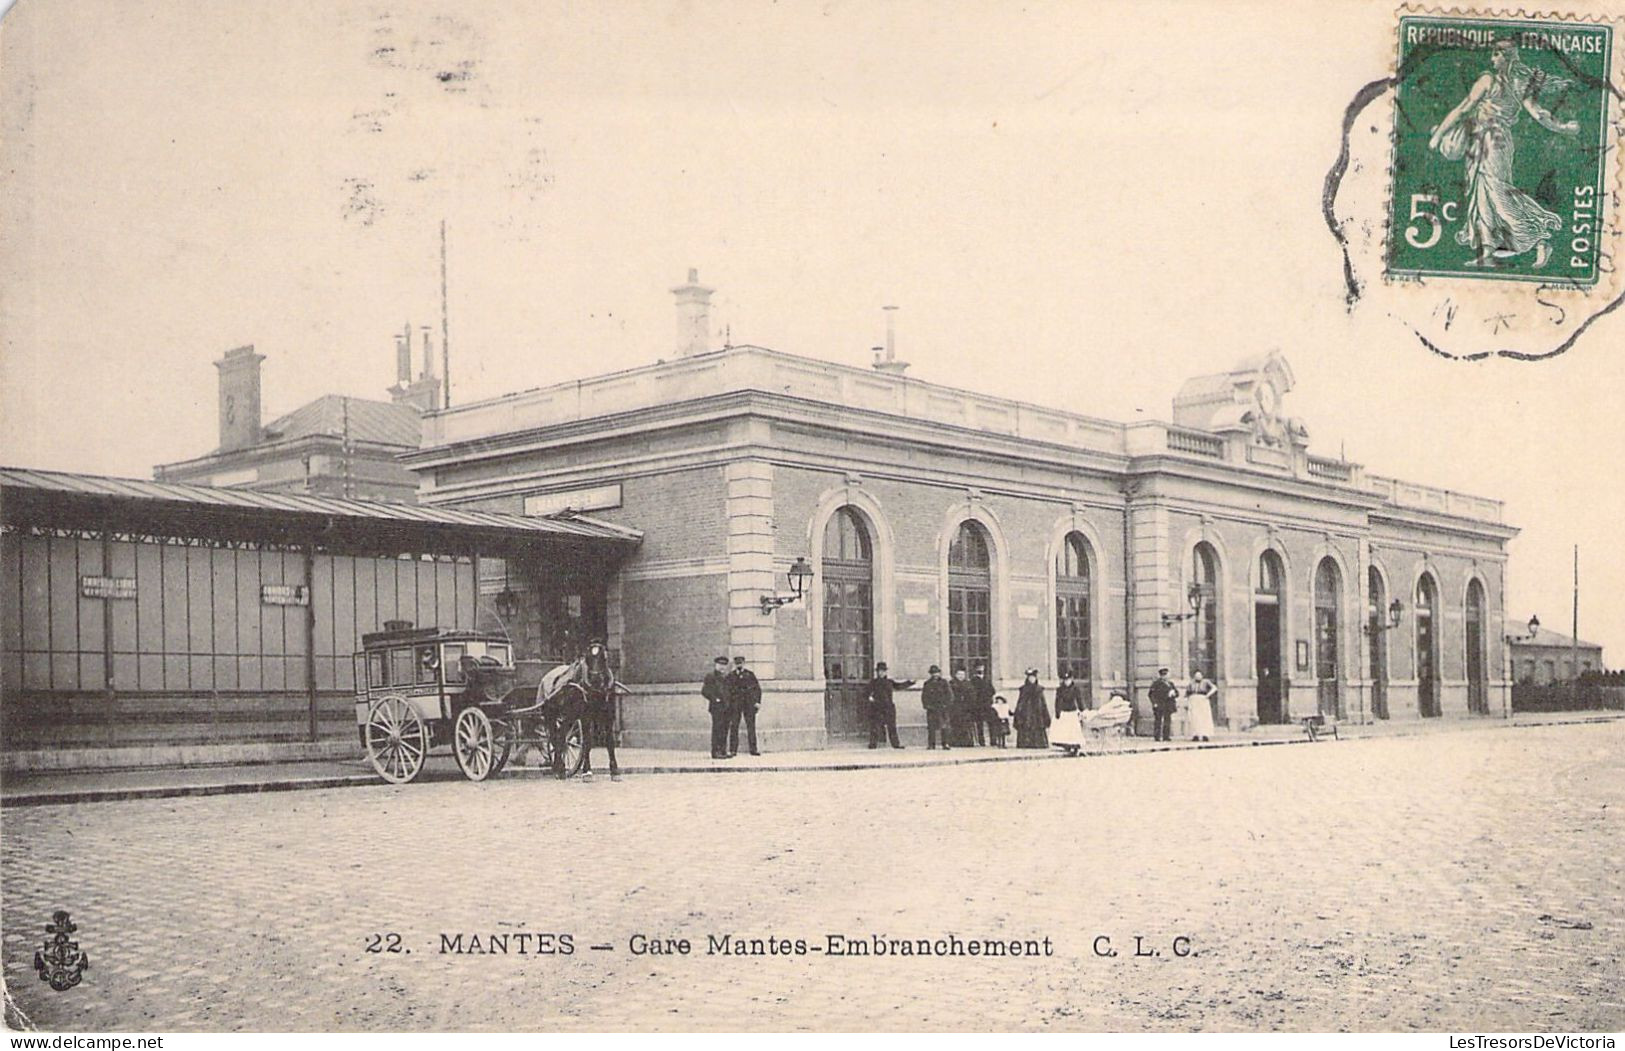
(397, 740)
(474, 743)
(505, 735)
(575, 756)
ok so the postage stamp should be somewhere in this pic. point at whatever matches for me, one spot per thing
(1476, 195)
(1500, 149)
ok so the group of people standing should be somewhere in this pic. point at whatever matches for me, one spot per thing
(1165, 701)
(959, 711)
(731, 696)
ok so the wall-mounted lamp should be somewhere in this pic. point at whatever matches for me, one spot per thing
(800, 576)
(1193, 598)
(1396, 613)
(1534, 629)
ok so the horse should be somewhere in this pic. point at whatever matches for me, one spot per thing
(586, 692)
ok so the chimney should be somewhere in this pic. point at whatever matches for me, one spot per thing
(239, 398)
(428, 352)
(693, 316)
(403, 356)
(888, 362)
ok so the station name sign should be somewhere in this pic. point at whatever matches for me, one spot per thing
(598, 498)
(284, 595)
(107, 587)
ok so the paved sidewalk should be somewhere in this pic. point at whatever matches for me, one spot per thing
(41, 788)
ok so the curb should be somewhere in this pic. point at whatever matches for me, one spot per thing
(297, 784)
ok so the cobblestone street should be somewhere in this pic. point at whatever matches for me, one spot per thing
(1466, 881)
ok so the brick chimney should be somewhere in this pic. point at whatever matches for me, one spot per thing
(239, 398)
(693, 316)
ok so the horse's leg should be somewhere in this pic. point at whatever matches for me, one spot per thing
(609, 742)
(585, 715)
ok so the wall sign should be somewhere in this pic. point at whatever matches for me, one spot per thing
(1027, 612)
(284, 595)
(1303, 655)
(916, 607)
(598, 498)
(107, 587)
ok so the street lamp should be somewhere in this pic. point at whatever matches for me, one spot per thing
(800, 574)
(1396, 613)
(1193, 598)
(1512, 670)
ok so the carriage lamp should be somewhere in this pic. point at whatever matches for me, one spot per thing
(507, 603)
(800, 574)
(1193, 598)
(1396, 613)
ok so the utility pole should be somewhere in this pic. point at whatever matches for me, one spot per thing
(1574, 634)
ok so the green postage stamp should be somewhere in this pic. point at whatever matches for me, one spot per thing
(1502, 161)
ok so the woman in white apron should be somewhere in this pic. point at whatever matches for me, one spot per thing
(1199, 702)
(1067, 729)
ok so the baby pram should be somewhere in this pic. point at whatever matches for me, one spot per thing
(1104, 726)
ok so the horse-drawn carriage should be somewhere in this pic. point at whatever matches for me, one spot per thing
(422, 688)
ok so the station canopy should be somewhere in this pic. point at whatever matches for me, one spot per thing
(130, 506)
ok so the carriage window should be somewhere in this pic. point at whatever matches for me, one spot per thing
(428, 663)
(454, 662)
(499, 651)
(375, 669)
(400, 667)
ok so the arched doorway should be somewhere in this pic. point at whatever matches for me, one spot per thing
(1072, 598)
(1269, 622)
(1427, 648)
(970, 600)
(1478, 699)
(1328, 679)
(1376, 615)
(847, 568)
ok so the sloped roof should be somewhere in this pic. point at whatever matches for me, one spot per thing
(383, 422)
(1519, 630)
(182, 496)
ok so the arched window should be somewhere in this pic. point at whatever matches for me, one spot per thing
(1427, 647)
(847, 570)
(1376, 615)
(970, 599)
(1269, 633)
(1328, 599)
(1204, 638)
(1072, 584)
(1478, 700)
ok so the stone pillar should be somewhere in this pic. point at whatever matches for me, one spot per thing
(1151, 559)
(750, 563)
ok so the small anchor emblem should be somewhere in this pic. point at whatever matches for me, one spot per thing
(58, 960)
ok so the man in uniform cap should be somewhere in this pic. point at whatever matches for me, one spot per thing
(714, 690)
(883, 710)
(744, 695)
(937, 697)
(1164, 696)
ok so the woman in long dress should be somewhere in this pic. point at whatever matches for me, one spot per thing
(1199, 702)
(1501, 220)
(1032, 714)
(1067, 729)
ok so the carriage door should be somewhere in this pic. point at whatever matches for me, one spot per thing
(1376, 614)
(1427, 649)
(1478, 701)
(849, 637)
(1328, 594)
(1267, 638)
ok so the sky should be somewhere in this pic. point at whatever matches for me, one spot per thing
(1079, 205)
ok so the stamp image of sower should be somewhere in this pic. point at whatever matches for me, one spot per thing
(1497, 228)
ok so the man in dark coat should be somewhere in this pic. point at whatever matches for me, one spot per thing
(959, 711)
(937, 697)
(982, 715)
(1032, 714)
(1163, 701)
(715, 692)
(882, 709)
(744, 695)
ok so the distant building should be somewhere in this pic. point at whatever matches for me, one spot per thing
(335, 446)
(1549, 656)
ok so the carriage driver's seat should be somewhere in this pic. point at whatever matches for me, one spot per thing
(487, 679)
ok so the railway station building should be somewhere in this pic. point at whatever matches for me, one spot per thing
(945, 526)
